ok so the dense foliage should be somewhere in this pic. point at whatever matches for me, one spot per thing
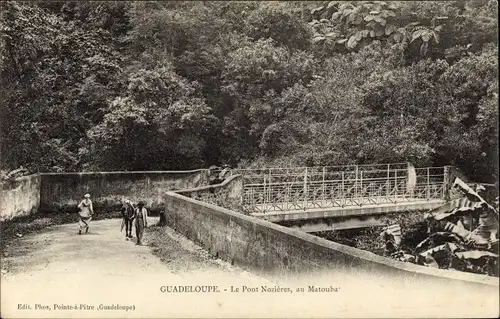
(180, 84)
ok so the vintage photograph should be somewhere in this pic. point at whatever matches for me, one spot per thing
(249, 159)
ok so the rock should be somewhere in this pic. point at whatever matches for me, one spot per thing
(19, 235)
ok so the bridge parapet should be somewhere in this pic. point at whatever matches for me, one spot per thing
(226, 194)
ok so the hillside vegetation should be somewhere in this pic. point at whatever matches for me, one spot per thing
(180, 84)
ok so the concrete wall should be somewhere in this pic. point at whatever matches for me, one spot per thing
(65, 190)
(270, 249)
(230, 189)
(19, 197)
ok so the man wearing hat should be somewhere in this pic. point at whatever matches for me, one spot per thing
(128, 215)
(141, 221)
(85, 211)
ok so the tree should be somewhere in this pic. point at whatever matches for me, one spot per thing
(160, 123)
(253, 77)
(279, 22)
(472, 85)
(425, 29)
(56, 77)
(180, 84)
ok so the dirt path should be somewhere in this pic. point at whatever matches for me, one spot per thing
(60, 268)
(104, 252)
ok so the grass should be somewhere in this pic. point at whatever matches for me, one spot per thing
(175, 250)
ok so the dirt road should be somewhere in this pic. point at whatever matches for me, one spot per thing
(104, 252)
(58, 266)
(102, 275)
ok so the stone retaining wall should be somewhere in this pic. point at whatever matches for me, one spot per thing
(20, 196)
(65, 190)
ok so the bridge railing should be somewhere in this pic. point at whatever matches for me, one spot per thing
(287, 189)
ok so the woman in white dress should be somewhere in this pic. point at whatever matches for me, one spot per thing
(85, 211)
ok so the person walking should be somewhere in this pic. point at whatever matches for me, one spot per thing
(128, 215)
(85, 211)
(141, 221)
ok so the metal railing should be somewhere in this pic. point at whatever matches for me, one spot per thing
(303, 188)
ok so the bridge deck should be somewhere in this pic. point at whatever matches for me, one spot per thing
(373, 209)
